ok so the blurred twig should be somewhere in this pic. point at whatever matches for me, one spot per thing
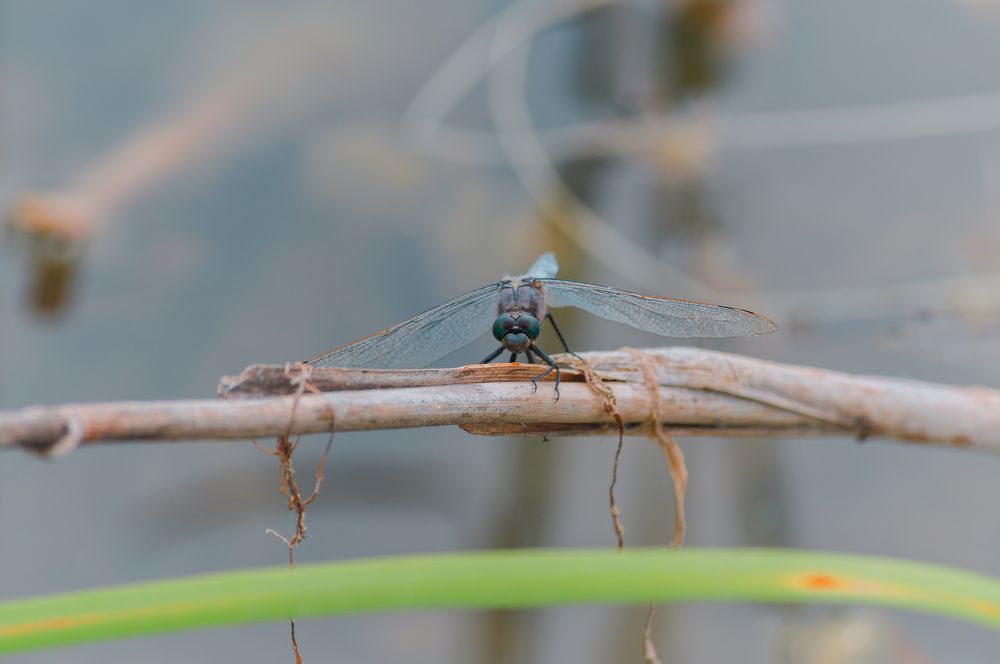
(498, 51)
(265, 83)
(896, 121)
(509, 55)
(701, 393)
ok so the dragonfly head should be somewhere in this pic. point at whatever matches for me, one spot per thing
(516, 330)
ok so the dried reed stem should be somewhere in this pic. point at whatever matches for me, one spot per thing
(700, 393)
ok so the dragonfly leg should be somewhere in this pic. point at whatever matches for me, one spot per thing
(562, 340)
(531, 359)
(552, 367)
(513, 357)
(492, 356)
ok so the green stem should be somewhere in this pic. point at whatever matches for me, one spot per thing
(507, 579)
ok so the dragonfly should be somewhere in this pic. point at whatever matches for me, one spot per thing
(514, 308)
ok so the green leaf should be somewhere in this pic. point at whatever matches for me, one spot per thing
(505, 579)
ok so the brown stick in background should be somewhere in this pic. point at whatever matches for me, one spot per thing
(267, 82)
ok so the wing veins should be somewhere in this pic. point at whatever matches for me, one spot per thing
(373, 349)
(660, 315)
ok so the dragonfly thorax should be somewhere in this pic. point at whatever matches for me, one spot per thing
(525, 297)
(516, 330)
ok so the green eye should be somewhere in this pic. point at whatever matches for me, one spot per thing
(529, 325)
(502, 325)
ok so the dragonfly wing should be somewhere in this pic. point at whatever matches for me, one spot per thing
(422, 339)
(660, 315)
(543, 268)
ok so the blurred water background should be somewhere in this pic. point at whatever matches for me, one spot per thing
(193, 187)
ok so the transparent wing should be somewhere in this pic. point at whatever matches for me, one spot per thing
(422, 339)
(545, 267)
(660, 315)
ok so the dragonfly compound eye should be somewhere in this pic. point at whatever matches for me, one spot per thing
(529, 325)
(502, 325)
